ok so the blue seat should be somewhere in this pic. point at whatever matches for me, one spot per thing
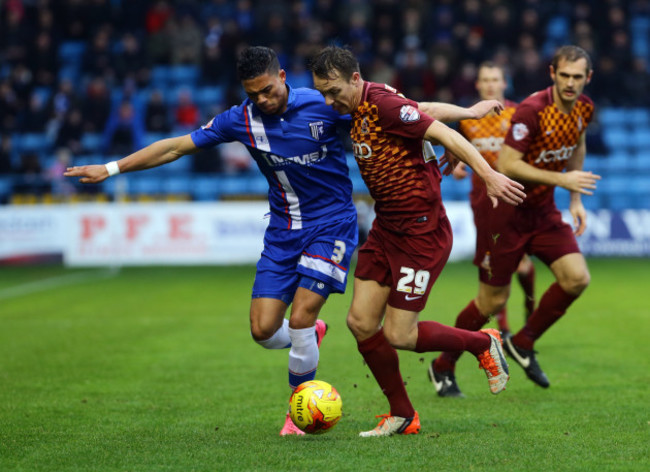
(187, 75)
(640, 162)
(92, 142)
(612, 117)
(70, 52)
(180, 184)
(614, 163)
(160, 76)
(616, 138)
(144, 185)
(89, 159)
(32, 142)
(640, 139)
(206, 96)
(205, 188)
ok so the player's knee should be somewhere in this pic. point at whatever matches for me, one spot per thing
(577, 283)
(262, 333)
(397, 339)
(359, 327)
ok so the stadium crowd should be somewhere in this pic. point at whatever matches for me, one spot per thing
(99, 76)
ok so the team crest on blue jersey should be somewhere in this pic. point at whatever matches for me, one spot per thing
(317, 129)
(261, 140)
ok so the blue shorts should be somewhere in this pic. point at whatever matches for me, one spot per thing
(305, 257)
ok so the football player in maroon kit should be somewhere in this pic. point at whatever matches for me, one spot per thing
(546, 137)
(487, 135)
(410, 239)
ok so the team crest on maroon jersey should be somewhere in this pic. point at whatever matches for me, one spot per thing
(409, 114)
(316, 129)
(519, 131)
(365, 128)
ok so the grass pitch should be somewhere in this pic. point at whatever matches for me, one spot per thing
(153, 369)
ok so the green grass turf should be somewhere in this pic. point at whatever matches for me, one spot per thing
(153, 369)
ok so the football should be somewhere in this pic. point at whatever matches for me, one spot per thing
(315, 406)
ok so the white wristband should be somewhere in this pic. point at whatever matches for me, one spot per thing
(112, 168)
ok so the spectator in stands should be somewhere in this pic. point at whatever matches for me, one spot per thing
(124, 131)
(14, 33)
(9, 107)
(31, 175)
(156, 115)
(131, 62)
(36, 116)
(6, 150)
(98, 59)
(96, 106)
(187, 113)
(43, 60)
(186, 41)
(157, 22)
(71, 131)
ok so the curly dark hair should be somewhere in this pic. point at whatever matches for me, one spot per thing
(334, 58)
(255, 61)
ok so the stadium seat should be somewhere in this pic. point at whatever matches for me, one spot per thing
(205, 188)
(6, 185)
(207, 96)
(71, 52)
(612, 117)
(616, 138)
(160, 76)
(178, 184)
(92, 142)
(32, 142)
(183, 165)
(187, 75)
(138, 184)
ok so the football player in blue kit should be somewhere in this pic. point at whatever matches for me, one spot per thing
(312, 232)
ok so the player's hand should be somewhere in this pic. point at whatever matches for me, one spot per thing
(93, 174)
(500, 187)
(579, 217)
(460, 171)
(485, 107)
(580, 181)
(449, 163)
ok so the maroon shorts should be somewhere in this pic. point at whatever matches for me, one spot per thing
(409, 262)
(506, 233)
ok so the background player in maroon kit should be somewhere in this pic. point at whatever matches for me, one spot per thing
(546, 137)
(487, 135)
(410, 239)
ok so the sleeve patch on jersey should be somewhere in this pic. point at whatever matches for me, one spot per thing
(519, 131)
(208, 125)
(409, 114)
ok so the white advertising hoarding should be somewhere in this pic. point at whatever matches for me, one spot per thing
(165, 233)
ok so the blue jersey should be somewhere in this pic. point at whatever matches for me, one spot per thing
(299, 153)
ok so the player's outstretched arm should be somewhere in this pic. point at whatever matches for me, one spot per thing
(156, 154)
(510, 162)
(499, 187)
(446, 112)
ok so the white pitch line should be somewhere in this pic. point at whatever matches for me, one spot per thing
(58, 281)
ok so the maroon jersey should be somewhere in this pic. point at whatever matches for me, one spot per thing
(547, 137)
(398, 167)
(487, 135)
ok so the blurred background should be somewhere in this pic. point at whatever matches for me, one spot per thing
(89, 81)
